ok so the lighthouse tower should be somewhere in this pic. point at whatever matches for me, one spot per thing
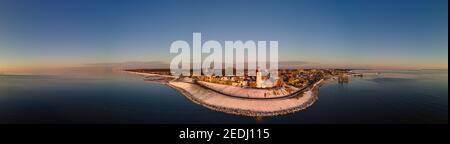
(259, 79)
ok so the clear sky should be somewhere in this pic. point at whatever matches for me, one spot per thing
(395, 33)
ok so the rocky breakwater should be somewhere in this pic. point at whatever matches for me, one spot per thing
(247, 106)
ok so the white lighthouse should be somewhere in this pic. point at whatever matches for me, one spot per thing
(259, 81)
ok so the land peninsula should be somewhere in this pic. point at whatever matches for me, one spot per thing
(295, 90)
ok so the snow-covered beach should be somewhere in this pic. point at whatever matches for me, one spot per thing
(245, 106)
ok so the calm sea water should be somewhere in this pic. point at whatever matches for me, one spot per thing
(379, 97)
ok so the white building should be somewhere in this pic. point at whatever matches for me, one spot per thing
(259, 79)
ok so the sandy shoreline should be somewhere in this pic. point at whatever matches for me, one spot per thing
(243, 106)
(149, 74)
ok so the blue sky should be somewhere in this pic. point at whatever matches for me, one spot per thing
(397, 33)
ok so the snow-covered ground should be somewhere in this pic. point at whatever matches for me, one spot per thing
(250, 92)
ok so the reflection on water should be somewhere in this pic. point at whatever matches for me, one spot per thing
(343, 79)
(377, 97)
(259, 119)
